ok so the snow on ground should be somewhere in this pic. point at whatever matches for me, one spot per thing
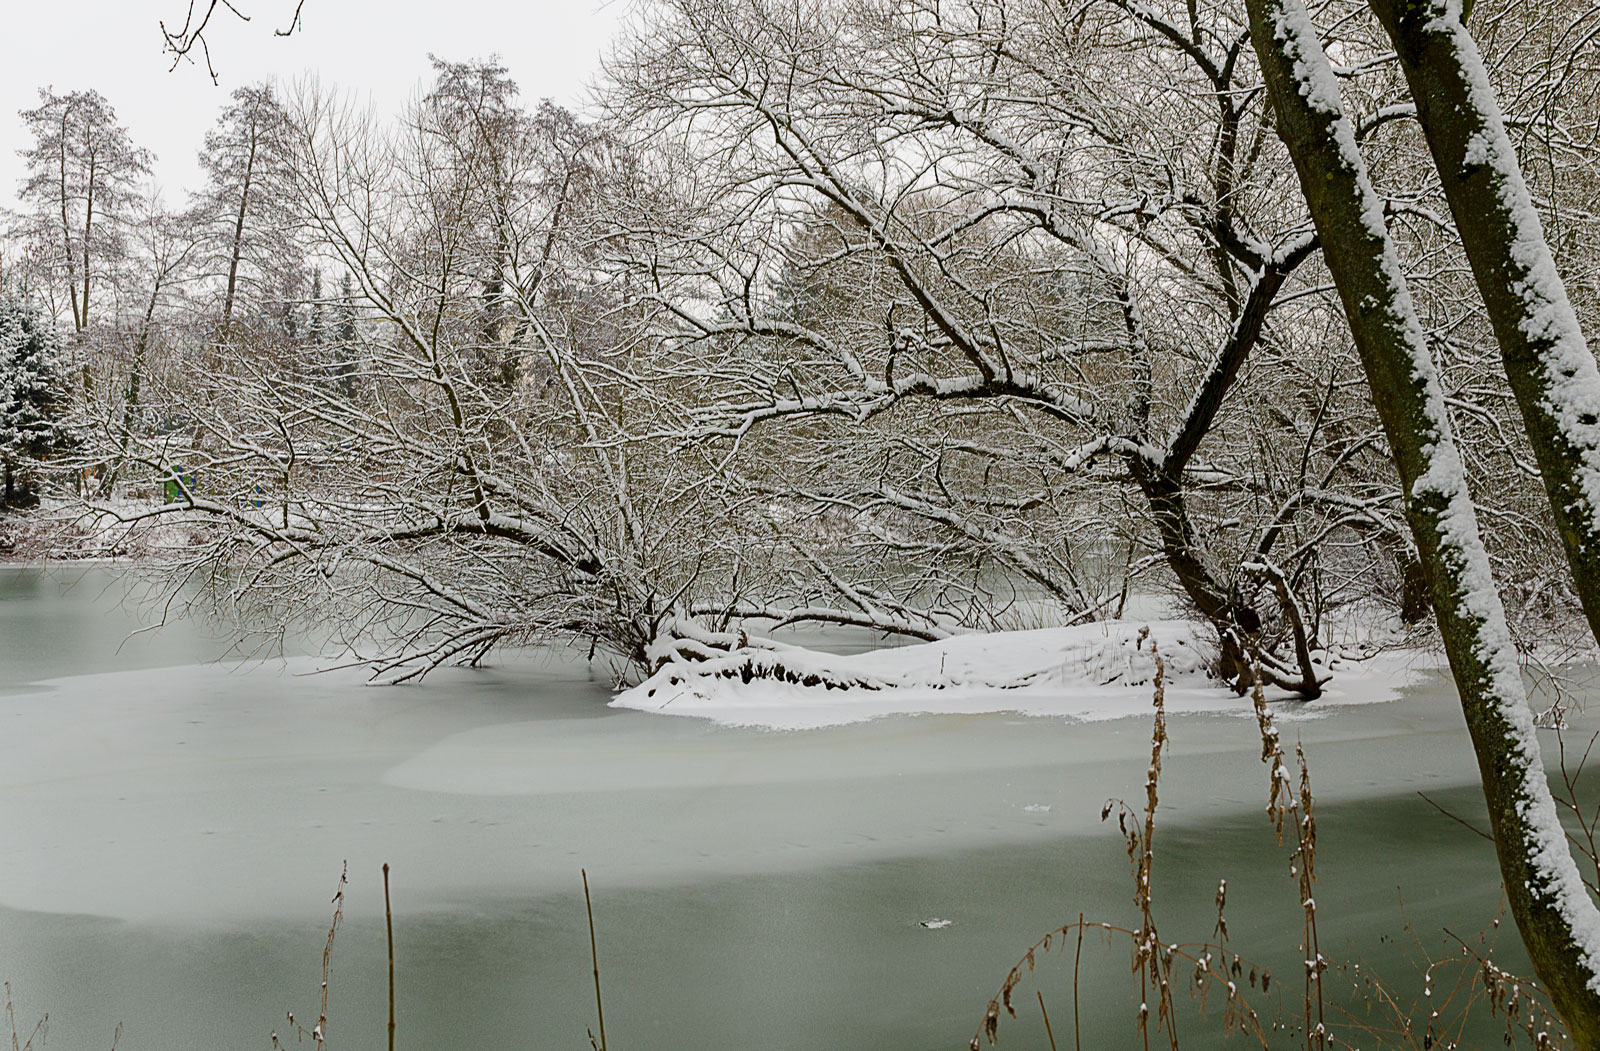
(1091, 672)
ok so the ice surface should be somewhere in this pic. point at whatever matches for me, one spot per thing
(170, 836)
(204, 794)
(228, 793)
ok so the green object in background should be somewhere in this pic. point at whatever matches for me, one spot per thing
(177, 481)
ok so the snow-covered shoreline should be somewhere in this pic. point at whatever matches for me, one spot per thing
(1091, 672)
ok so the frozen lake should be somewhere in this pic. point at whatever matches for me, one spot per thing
(171, 833)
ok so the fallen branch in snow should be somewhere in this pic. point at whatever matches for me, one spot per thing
(732, 671)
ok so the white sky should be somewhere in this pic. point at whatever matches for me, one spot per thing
(378, 48)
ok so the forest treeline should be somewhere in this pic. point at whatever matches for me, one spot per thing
(916, 317)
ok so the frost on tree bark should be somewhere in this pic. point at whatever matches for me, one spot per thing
(1552, 372)
(1558, 922)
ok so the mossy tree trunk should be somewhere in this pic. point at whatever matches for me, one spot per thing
(1557, 920)
(1552, 373)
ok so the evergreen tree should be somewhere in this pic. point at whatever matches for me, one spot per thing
(33, 395)
(342, 360)
(317, 327)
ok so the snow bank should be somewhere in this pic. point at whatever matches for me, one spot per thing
(1092, 672)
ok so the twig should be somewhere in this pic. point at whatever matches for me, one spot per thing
(294, 23)
(1458, 820)
(182, 42)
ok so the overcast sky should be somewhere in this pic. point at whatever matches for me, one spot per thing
(377, 47)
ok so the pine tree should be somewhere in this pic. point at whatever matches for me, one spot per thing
(342, 362)
(33, 396)
(317, 326)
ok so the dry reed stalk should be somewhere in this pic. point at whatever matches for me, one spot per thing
(594, 958)
(388, 926)
(1278, 787)
(1150, 963)
(1282, 801)
(1077, 962)
(1291, 805)
(41, 1028)
(1047, 1030)
(320, 1033)
(1207, 966)
(1152, 960)
(1302, 865)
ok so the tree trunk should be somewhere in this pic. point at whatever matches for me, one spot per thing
(66, 228)
(1552, 372)
(1414, 604)
(1234, 621)
(1558, 922)
(88, 232)
(237, 249)
(130, 402)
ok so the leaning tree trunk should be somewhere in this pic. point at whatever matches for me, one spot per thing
(236, 250)
(1558, 922)
(1552, 373)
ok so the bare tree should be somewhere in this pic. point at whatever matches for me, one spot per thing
(1078, 266)
(941, 320)
(435, 510)
(165, 253)
(242, 208)
(83, 173)
(524, 176)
